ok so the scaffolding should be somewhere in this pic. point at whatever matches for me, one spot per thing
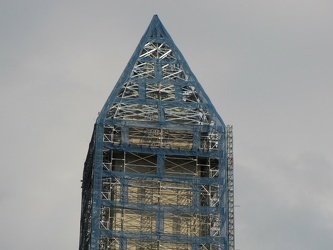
(159, 170)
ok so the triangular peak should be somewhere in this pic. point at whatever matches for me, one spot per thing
(156, 32)
(157, 86)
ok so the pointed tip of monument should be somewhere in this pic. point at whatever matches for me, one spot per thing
(157, 60)
(156, 18)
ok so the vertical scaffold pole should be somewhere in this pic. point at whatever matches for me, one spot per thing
(231, 222)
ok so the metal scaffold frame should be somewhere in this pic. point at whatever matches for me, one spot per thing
(231, 216)
(159, 170)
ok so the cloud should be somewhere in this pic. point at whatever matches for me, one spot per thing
(285, 199)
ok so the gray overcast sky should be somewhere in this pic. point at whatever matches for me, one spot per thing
(266, 65)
